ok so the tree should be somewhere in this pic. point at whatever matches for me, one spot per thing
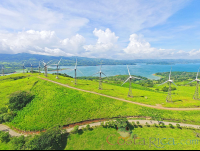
(19, 99)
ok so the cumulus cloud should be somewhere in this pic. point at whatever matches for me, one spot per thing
(40, 42)
(106, 45)
(139, 48)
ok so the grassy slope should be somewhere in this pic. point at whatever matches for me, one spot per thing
(96, 139)
(182, 97)
(54, 104)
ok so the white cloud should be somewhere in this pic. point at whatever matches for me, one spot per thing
(106, 45)
(40, 42)
(139, 48)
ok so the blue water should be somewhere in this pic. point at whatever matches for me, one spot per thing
(140, 69)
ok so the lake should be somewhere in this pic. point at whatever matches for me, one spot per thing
(140, 69)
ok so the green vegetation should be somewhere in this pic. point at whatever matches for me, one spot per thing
(54, 104)
(52, 139)
(149, 138)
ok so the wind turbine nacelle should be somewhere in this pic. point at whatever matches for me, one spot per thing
(170, 81)
(198, 80)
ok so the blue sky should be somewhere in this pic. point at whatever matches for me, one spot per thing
(116, 29)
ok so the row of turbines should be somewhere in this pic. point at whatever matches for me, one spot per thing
(130, 94)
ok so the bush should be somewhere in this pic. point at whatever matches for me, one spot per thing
(18, 142)
(4, 136)
(75, 130)
(3, 110)
(102, 124)
(178, 126)
(170, 125)
(19, 99)
(138, 123)
(88, 127)
(155, 125)
(49, 140)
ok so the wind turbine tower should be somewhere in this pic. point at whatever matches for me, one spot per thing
(2, 71)
(45, 67)
(169, 97)
(31, 68)
(130, 94)
(100, 79)
(23, 67)
(39, 67)
(196, 94)
(57, 67)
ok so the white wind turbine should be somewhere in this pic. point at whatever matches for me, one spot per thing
(130, 78)
(100, 79)
(196, 94)
(75, 71)
(57, 67)
(45, 67)
(2, 71)
(169, 97)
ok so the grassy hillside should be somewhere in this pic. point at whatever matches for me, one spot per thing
(182, 96)
(54, 104)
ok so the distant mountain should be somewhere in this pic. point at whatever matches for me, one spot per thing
(11, 60)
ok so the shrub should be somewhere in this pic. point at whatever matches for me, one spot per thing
(18, 142)
(4, 136)
(19, 99)
(170, 125)
(88, 127)
(102, 124)
(138, 123)
(49, 140)
(178, 126)
(155, 125)
(3, 110)
(75, 130)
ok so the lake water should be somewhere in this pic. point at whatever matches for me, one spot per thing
(140, 69)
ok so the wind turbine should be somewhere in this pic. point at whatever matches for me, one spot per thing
(130, 78)
(75, 71)
(169, 97)
(196, 94)
(2, 70)
(100, 80)
(23, 67)
(57, 67)
(39, 67)
(45, 67)
(31, 68)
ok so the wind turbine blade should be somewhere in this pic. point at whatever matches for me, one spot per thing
(95, 73)
(136, 78)
(170, 73)
(191, 82)
(69, 69)
(125, 81)
(49, 62)
(128, 70)
(101, 65)
(80, 71)
(163, 83)
(76, 63)
(59, 61)
(197, 74)
(174, 84)
(103, 74)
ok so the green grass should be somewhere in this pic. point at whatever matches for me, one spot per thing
(54, 104)
(182, 97)
(6, 146)
(96, 139)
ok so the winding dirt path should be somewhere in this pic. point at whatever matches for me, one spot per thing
(120, 99)
(81, 126)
